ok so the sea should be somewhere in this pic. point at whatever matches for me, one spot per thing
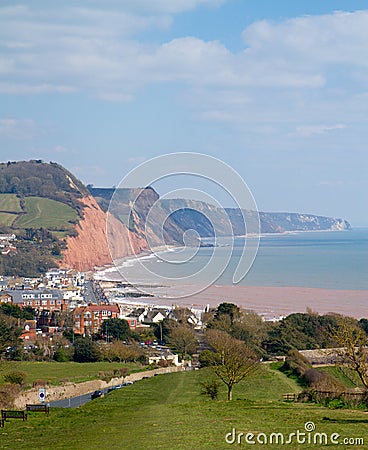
(327, 259)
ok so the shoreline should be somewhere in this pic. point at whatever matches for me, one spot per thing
(269, 301)
(286, 300)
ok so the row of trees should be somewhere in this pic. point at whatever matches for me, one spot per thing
(233, 343)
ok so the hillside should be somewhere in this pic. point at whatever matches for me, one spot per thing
(168, 411)
(56, 221)
(179, 215)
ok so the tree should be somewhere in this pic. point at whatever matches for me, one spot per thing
(183, 339)
(251, 329)
(85, 350)
(9, 309)
(351, 338)
(118, 351)
(9, 334)
(228, 309)
(233, 361)
(115, 329)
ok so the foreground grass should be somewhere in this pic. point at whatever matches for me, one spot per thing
(167, 412)
(56, 372)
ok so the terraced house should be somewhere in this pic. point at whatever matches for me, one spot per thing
(48, 299)
(88, 319)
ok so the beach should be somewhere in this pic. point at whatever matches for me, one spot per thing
(276, 301)
(323, 271)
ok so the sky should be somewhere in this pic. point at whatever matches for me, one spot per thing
(276, 89)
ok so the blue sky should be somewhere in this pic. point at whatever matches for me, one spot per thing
(278, 90)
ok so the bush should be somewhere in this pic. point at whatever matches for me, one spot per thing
(210, 388)
(313, 376)
(206, 358)
(295, 364)
(85, 350)
(8, 393)
(16, 377)
(40, 383)
(62, 355)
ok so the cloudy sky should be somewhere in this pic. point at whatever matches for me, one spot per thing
(277, 89)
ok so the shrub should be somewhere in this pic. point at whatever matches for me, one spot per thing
(295, 364)
(62, 355)
(313, 376)
(16, 377)
(40, 383)
(210, 388)
(124, 371)
(206, 358)
(8, 393)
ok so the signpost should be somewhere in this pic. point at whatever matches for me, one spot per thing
(41, 394)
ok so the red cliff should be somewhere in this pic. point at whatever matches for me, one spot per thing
(90, 248)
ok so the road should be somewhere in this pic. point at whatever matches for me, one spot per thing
(73, 402)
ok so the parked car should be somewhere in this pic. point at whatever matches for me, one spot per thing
(96, 394)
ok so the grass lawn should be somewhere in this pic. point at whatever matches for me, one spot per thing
(9, 202)
(167, 412)
(44, 212)
(7, 219)
(348, 377)
(54, 372)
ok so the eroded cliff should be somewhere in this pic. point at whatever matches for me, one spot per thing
(93, 247)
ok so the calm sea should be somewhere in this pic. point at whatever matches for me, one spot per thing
(331, 260)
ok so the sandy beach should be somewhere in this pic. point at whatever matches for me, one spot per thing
(273, 301)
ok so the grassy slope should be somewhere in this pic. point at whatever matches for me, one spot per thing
(43, 212)
(10, 203)
(348, 377)
(166, 412)
(7, 219)
(54, 372)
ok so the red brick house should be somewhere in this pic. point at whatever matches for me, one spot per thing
(88, 319)
(6, 298)
(29, 331)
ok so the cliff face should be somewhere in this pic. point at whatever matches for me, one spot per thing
(90, 248)
(172, 217)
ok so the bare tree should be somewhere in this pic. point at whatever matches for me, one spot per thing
(183, 338)
(118, 351)
(352, 342)
(233, 360)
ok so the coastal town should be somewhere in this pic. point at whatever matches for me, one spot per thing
(66, 296)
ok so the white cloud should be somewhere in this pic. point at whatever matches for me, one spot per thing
(313, 130)
(21, 88)
(11, 128)
(163, 6)
(308, 70)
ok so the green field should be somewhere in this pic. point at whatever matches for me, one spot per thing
(43, 212)
(346, 376)
(9, 203)
(54, 372)
(167, 412)
(7, 219)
